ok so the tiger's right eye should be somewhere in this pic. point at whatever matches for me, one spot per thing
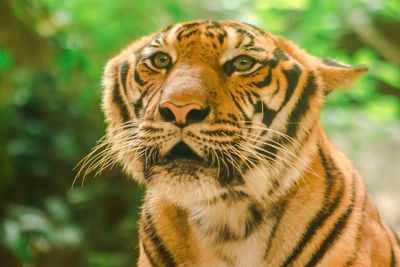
(243, 63)
(161, 60)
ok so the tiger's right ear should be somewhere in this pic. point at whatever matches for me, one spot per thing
(335, 74)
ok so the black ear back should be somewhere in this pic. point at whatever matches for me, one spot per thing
(336, 74)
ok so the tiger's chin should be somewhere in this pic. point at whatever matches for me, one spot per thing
(183, 182)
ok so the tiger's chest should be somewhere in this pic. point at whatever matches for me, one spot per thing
(235, 254)
(232, 233)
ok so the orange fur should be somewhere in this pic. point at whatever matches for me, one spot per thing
(248, 178)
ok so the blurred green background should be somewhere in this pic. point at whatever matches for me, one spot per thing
(52, 54)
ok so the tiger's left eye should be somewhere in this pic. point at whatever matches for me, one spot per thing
(160, 60)
(243, 63)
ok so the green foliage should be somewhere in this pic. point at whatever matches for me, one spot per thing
(30, 230)
(51, 114)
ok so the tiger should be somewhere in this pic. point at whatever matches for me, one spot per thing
(219, 120)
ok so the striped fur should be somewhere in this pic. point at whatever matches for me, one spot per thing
(254, 181)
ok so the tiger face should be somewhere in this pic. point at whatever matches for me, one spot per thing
(205, 110)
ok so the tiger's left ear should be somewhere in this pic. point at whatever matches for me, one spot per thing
(336, 74)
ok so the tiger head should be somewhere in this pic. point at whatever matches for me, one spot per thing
(206, 109)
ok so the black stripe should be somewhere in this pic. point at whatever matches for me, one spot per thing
(301, 107)
(258, 30)
(280, 211)
(240, 41)
(148, 69)
(252, 223)
(327, 208)
(117, 99)
(269, 150)
(272, 63)
(167, 28)
(278, 86)
(233, 117)
(151, 232)
(138, 80)
(233, 196)
(191, 25)
(228, 173)
(139, 103)
(292, 78)
(396, 235)
(280, 54)
(267, 80)
(392, 256)
(336, 231)
(222, 36)
(257, 49)
(146, 252)
(124, 74)
(188, 34)
(225, 235)
(215, 25)
(150, 97)
(138, 106)
(179, 36)
(354, 257)
(247, 33)
(267, 113)
(249, 97)
(239, 107)
(209, 34)
(153, 45)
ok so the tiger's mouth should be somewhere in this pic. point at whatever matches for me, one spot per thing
(181, 158)
(181, 152)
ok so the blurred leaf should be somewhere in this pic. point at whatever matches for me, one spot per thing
(387, 72)
(13, 239)
(5, 60)
(108, 259)
(383, 108)
(58, 209)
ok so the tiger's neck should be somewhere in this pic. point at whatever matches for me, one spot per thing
(262, 227)
(256, 209)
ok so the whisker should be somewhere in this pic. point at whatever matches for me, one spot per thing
(288, 161)
(262, 127)
(279, 147)
(104, 153)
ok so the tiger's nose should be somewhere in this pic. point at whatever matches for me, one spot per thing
(183, 115)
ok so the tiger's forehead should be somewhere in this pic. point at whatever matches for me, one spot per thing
(224, 39)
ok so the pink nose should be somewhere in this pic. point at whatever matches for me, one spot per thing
(182, 115)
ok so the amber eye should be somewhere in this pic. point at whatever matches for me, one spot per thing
(160, 60)
(243, 63)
